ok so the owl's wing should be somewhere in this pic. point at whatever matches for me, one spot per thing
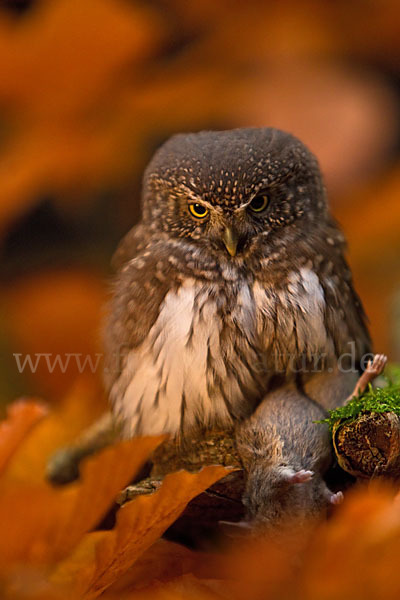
(140, 286)
(346, 324)
(345, 317)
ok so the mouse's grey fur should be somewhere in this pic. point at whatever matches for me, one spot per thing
(285, 454)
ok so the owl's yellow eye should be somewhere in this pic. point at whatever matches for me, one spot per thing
(259, 203)
(198, 210)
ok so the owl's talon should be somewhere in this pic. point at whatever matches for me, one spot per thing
(143, 488)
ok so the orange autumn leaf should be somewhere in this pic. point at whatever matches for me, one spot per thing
(140, 523)
(353, 555)
(61, 75)
(376, 272)
(364, 541)
(83, 404)
(159, 570)
(62, 70)
(180, 588)
(381, 232)
(54, 319)
(163, 561)
(22, 416)
(41, 524)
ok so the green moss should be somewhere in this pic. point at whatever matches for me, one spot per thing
(377, 400)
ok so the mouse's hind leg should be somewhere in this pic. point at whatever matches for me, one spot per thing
(374, 368)
(330, 389)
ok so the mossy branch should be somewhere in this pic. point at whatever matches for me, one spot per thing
(366, 431)
(374, 400)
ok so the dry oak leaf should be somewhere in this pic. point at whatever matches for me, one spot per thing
(65, 55)
(62, 70)
(354, 555)
(380, 226)
(180, 588)
(53, 320)
(41, 524)
(76, 411)
(22, 416)
(103, 557)
(164, 561)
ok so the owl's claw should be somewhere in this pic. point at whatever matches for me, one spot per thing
(144, 487)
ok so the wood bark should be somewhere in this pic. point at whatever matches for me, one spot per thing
(369, 446)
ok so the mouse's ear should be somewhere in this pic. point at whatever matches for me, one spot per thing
(292, 476)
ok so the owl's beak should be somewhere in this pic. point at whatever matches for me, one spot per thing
(230, 238)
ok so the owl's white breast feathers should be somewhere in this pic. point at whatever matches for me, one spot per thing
(308, 295)
(169, 370)
(298, 313)
(177, 371)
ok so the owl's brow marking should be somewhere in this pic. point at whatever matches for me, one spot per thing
(197, 200)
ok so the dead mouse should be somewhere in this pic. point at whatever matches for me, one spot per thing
(286, 454)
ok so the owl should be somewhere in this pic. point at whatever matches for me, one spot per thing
(234, 283)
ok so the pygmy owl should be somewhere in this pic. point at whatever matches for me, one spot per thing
(233, 283)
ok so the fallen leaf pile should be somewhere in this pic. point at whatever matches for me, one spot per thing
(45, 531)
(51, 546)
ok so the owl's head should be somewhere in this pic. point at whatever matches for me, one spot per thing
(230, 190)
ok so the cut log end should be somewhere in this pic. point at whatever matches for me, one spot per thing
(369, 446)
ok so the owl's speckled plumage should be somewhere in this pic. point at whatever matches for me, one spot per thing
(197, 337)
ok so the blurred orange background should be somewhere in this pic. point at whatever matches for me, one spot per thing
(89, 89)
